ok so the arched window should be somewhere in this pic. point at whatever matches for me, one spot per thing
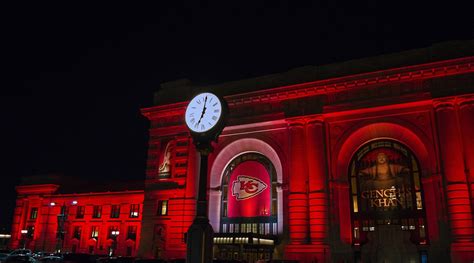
(386, 189)
(249, 196)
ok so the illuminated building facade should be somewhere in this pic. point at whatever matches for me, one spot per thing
(362, 160)
(45, 220)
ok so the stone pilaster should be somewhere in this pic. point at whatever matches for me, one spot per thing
(452, 163)
(317, 175)
(466, 121)
(298, 201)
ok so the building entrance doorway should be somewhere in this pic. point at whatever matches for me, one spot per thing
(389, 244)
(388, 215)
(247, 247)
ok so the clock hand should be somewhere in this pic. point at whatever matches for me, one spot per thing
(203, 110)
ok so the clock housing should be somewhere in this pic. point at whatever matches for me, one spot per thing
(205, 116)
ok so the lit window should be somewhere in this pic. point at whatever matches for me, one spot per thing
(34, 213)
(95, 232)
(162, 208)
(134, 210)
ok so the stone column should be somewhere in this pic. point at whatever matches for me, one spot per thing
(452, 163)
(466, 121)
(317, 175)
(298, 202)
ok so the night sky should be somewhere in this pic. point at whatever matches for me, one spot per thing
(82, 72)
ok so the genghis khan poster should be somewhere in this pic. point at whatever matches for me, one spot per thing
(385, 178)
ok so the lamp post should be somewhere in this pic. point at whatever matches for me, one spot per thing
(24, 232)
(115, 234)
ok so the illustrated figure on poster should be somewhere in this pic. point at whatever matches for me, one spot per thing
(165, 164)
(383, 174)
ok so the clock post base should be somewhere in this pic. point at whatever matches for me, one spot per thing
(199, 242)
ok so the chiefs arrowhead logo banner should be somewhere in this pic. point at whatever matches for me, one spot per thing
(249, 192)
(246, 187)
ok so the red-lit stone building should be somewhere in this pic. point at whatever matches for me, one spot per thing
(350, 162)
(79, 222)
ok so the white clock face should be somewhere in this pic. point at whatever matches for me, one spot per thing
(203, 112)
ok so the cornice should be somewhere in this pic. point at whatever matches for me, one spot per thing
(330, 86)
(352, 82)
(465, 101)
(444, 103)
(296, 122)
(162, 111)
(37, 189)
(315, 119)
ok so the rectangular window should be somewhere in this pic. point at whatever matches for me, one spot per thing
(162, 208)
(94, 232)
(77, 232)
(134, 210)
(97, 212)
(115, 211)
(80, 212)
(34, 213)
(132, 232)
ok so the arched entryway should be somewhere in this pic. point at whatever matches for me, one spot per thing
(246, 181)
(387, 206)
(224, 158)
(356, 155)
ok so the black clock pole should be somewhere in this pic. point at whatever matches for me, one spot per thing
(200, 233)
(199, 240)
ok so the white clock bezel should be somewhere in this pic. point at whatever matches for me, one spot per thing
(206, 119)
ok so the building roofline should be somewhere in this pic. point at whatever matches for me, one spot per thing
(175, 91)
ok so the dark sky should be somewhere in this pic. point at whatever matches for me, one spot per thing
(82, 72)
